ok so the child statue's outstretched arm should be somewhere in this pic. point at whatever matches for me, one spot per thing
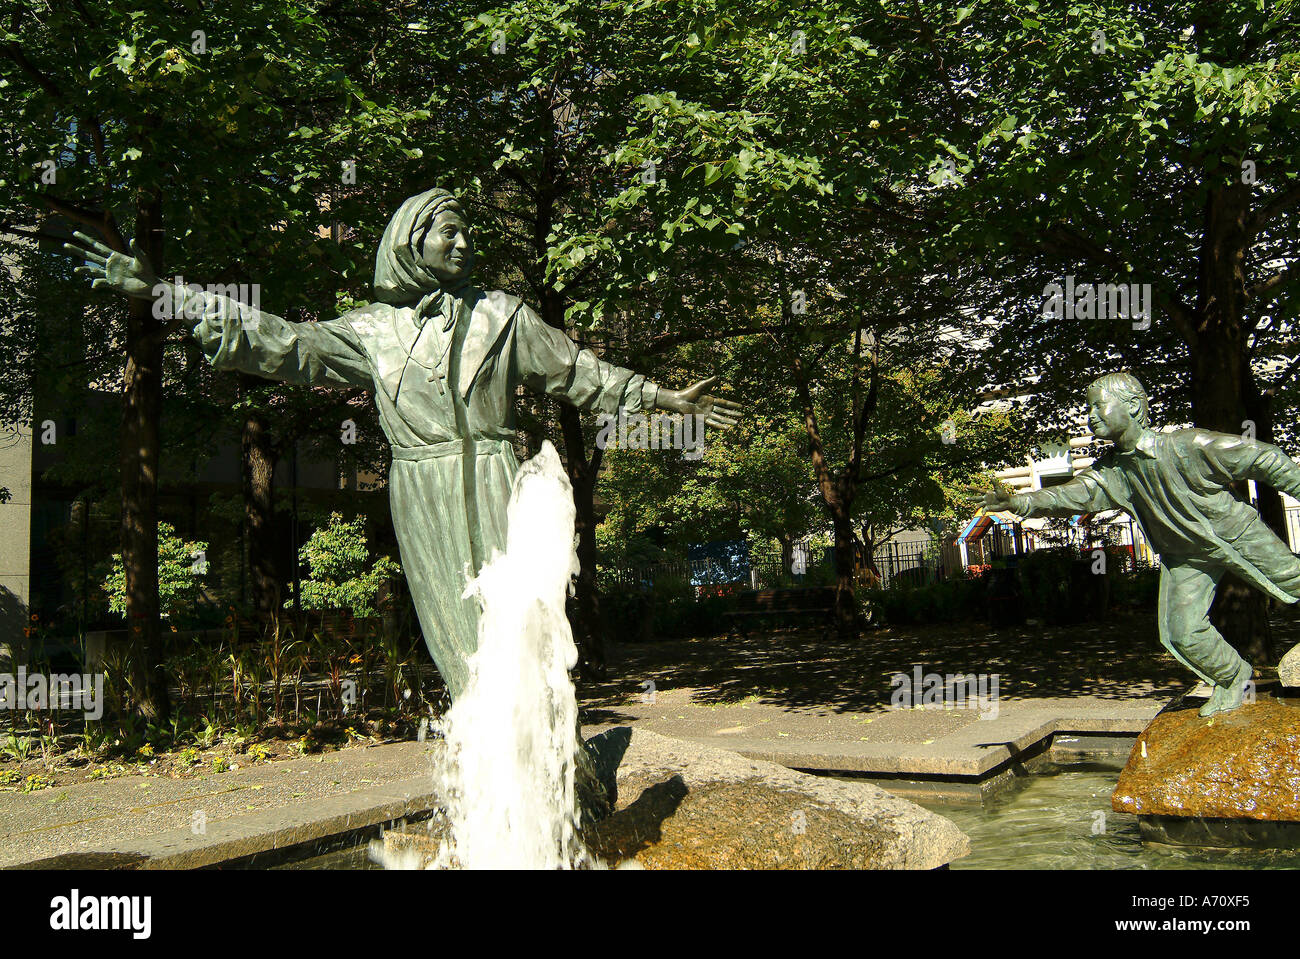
(1083, 494)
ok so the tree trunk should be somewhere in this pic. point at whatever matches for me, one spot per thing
(141, 414)
(837, 494)
(584, 611)
(259, 459)
(787, 552)
(846, 610)
(1221, 383)
(1259, 410)
(869, 557)
(584, 608)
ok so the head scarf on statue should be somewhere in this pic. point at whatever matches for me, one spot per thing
(401, 275)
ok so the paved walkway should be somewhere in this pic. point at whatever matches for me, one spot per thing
(796, 698)
(242, 811)
(926, 741)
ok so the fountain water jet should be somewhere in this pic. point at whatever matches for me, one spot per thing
(512, 734)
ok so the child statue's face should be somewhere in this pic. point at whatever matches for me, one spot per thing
(447, 249)
(1108, 416)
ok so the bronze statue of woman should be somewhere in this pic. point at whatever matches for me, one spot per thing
(443, 359)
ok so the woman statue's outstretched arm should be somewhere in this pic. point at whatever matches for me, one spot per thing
(234, 336)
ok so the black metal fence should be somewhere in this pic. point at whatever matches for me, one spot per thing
(913, 564)
(696, 572)
(890, 565)
(893, 564)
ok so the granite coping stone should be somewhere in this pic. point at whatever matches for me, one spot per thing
(277, 829)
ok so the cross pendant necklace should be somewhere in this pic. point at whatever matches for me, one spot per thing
(436, 373)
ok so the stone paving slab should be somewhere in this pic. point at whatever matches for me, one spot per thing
(922, 742)
(274, 829)
(153, 816)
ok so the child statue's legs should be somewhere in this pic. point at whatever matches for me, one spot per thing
(1186, 594)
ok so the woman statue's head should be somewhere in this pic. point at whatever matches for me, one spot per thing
(426, 246)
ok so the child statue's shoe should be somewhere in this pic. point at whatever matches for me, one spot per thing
(1226, 698)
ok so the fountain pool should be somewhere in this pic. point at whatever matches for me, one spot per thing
(1059, 817)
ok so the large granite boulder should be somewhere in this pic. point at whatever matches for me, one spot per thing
(1239, 765)
(1288, 670)
(682, 805)
(687, 806)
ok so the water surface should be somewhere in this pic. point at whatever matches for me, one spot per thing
(1060, 818)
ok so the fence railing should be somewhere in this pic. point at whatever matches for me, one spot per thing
(902, 563)
(696, 572)
(912, 564)
(893, 564)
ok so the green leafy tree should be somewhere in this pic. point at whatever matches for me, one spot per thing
(991, 147)
(1150, 146)
(550, 87)
(752, 483)
(739, 233)
(341, 573)
(182, 566)
(217, 136)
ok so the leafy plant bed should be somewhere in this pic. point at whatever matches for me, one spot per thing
(71, 762)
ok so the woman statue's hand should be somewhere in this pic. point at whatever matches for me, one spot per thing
(694, 400)
(131, 275)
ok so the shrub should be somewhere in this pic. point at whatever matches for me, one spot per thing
(625, 609)
(336, 556)
(1045, 576)
(181, 568)
(670, 607)
(946, 601)
(1138, 589)
(676, 610)
(1057, 585)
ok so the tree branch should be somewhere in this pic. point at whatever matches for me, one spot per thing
(1280, 201)
(101, 220)
(15, 53)
(1266, 288)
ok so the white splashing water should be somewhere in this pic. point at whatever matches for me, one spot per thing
(512, 734)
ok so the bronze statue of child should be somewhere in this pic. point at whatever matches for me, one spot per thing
(1178, 487)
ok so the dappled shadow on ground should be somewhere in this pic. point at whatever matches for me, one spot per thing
(1119, 659)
